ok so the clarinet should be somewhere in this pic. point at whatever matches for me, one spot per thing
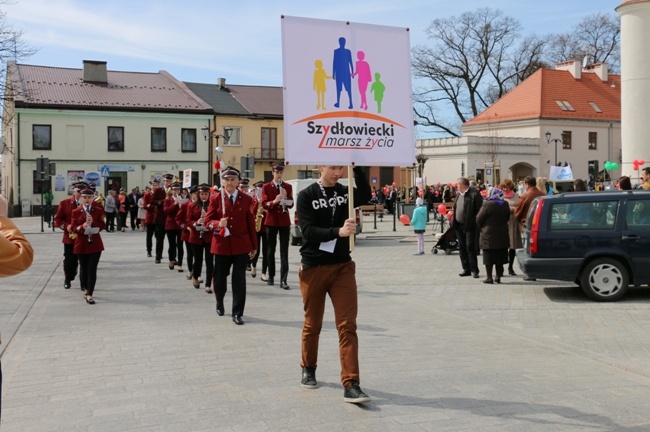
(89, 220)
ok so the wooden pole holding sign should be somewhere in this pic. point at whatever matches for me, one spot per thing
(351, 212)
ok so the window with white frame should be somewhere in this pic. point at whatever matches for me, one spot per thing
(188, 140)
(158, 139)
(235, 136)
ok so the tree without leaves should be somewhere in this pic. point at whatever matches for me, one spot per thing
(597, 37)
(474, 61)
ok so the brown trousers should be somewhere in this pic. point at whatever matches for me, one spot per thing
(338, 281)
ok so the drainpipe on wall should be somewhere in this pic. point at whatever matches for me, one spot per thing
(609, 141)
(13, 206)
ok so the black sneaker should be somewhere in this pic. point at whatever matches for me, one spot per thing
(354, 394)
(308, 378)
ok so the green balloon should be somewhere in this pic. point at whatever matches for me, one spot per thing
(608, 166)
(614, 165)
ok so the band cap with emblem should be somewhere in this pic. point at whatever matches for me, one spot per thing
(277, 167)
(87, 192)
(176, 185)
(230, 172)
(168, 177)
(203, 187)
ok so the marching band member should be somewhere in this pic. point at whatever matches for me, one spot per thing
(62, 220)
(200, 238)
(233, 243)
(171, 206)
(156, 213)
(277, 223)
(147, 199)
(88, 246)
(181, 220)
(260, 214)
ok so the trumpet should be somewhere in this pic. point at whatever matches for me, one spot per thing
(283, 194)
(200, 227)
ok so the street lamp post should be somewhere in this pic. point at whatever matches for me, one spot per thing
(554, 140)
(226, 137)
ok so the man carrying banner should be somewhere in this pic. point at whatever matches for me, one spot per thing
(327, 269)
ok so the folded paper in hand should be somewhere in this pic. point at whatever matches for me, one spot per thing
(91, 230)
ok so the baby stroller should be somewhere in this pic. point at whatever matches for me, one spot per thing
(447, 242)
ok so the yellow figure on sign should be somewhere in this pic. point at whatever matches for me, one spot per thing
(319, 84)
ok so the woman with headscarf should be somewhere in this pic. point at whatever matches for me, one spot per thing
(492, 219)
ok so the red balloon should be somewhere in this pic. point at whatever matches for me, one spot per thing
(635, 165)
(404, 218)
(641, 162)
(442, 209)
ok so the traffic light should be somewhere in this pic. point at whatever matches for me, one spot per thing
(42, 168)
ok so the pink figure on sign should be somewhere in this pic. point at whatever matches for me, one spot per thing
(363, 72)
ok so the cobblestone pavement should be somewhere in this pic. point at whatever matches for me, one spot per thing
(438, 352)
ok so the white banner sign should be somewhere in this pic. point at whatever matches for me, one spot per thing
(347, 93)
(187, 178)
(561, 173)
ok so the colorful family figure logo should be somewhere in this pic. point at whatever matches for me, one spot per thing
(343, 71)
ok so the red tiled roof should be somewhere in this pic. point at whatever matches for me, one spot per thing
(38, 86)
(536, 98)
(259, 100)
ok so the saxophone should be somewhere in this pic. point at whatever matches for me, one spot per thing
(259, 216)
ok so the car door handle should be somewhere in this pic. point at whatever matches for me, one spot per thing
(630, 237)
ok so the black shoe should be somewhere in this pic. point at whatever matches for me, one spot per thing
(66, 284)
(354, 394)
(237, 320)
(308, 378)
(497, 279)
(530, 279)
(512, 272)
(219, 310)
(148, 254)
(284, 285)
(270, 281)
(488, 281)
(463, 274)
(475, 275)
(157, 261)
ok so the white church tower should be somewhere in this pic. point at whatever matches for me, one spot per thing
(635, 83)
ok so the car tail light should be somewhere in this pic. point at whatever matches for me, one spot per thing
(534, 229)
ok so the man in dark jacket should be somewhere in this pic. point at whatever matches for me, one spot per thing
(466, 207)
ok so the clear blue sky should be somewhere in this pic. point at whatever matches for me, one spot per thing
(202, 40)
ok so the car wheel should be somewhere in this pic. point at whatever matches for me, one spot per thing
(604, 280)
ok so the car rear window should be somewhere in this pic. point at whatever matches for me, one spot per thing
(637, 214)
(583, 215)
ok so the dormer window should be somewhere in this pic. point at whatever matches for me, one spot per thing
(564, 105)
(595, 107)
